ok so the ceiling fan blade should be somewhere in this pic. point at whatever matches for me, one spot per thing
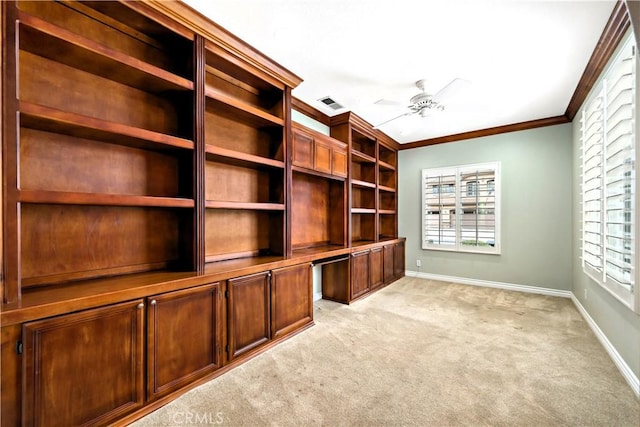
(388, 102)
(390, 120)
(452, 89)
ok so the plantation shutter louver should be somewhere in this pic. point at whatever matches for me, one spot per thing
(619, 168)
(593, 137)
(609, 186)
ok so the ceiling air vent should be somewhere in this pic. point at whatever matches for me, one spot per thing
(329, 102)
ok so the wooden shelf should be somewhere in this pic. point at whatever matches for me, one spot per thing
(239, 158)
(244, 111)
(310, 172)
(386, 166)
(386, 211)
(362, 211)
(360, 157)
(213, 204)
(72, 198)
(48, 119)
(58, 44)
(315, 250)
(385, 188)
(364, 184)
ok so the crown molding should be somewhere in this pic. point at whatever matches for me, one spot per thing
(633, 6)
(615, 29)
(531, 124)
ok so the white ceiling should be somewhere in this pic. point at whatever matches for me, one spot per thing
(522, 59)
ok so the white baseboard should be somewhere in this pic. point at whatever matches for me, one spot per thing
(622, 366)
(317, 296)
(491, 284)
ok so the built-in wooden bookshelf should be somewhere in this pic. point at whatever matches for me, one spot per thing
(387, 190)
(99, 188)
(245, 189)
(318, 192)
(372, 180)
(152, 177)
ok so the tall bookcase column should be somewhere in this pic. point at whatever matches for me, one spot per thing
(363, 176)
(387, 188)
(318, 207)
(94, 187)
(199, 69)
(247, 123)
(11, 206)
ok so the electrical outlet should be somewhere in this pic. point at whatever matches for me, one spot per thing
(585, 294)
(418, 263)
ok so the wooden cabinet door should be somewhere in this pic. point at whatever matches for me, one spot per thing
(375, 268)
(359, 274)
(322, 157)
(183, 341)
(291, 299)
(302, 149)
(398, 263)
(339, 162)
(85, 367)
(388, 263)
(248, 308)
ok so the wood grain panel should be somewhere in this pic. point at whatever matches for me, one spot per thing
(388, 226)
(310, 211)
(55, 85)
(398, 260)
(302, 149)
(65, 357)
(363, 227)
(387, 178)
(249, 307)
(57, 162)
(291, 299)
(359, 274)
(11, 379)
(63, 240)
(339, 162)
(388, 263)
(363, 197)
(230, 231)
(376, 268)
(262, 96)
(335, 281)
(137, 36)
(322, 157)
(228, 132)
(226, 182)
(183, 340)
(10, 282)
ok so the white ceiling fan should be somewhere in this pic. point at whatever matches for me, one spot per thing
(424, 104)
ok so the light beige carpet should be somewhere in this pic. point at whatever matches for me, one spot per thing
(423, 353)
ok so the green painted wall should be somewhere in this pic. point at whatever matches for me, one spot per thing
(536, 207)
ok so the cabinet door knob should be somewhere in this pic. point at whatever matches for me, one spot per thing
(141, 305)
(153, 302)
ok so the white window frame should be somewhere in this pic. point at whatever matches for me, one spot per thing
(596, 175)
(457, 211)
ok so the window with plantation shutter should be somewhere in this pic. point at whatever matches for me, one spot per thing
(461, 208)
(609, 185)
